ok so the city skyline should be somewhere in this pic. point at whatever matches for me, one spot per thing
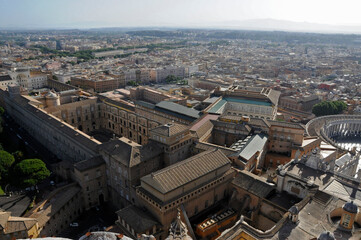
(315, 16)
(172, 132)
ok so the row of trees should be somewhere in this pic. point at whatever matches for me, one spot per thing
(21, 172)
(329, 108)
(84, 55)
(172, 79)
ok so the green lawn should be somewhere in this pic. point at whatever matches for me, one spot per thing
(1, 191)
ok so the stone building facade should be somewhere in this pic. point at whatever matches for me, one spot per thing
(58, 210)
(195, 183)
(127, 162)
(175, 140)
(91, 176)
(60, 138)
(17, 227)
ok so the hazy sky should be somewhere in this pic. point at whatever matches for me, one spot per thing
(122, 13)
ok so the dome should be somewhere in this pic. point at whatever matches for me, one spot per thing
(51, 95)
(294, 210)
(326, 236)
(350, 207)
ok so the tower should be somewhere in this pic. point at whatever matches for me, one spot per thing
(52, 99)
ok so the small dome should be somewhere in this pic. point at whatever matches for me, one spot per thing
(350, 207)
(51, 95)
(326, 236)
(294, 210)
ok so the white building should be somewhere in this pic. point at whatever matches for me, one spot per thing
(29, 79)
(160, 74)
(130, 75)
(5, 81)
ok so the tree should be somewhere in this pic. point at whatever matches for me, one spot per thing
(18, 156)
(30, 172)
(132, 83)
(171, 79)
(6, 160)
(329, 108)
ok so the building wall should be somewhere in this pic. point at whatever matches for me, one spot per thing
(98, 85)
(61, 219)
(227, 133)
(306, 149)
(282, 139)
(33, 232)
(273, 160)
(176, 147)
(241, 194)
(159, 117)
(122, 179)
(294, 187)
(58, 86)
(162, 73)
(82, 82)
(37, 81)
(290, 103)
(194, 201)
(5, 84)
(49, 130)
(251, 110)
(29, 79)
(153, 96)
(127, 123)
(84, 114)
(94, 185)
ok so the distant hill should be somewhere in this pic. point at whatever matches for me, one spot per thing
(283, 25)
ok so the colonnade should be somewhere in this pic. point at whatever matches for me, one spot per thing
(345, 128)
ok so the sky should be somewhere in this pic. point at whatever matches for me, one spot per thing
(171, 13)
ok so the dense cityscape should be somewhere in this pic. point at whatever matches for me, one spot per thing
(122, 133)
